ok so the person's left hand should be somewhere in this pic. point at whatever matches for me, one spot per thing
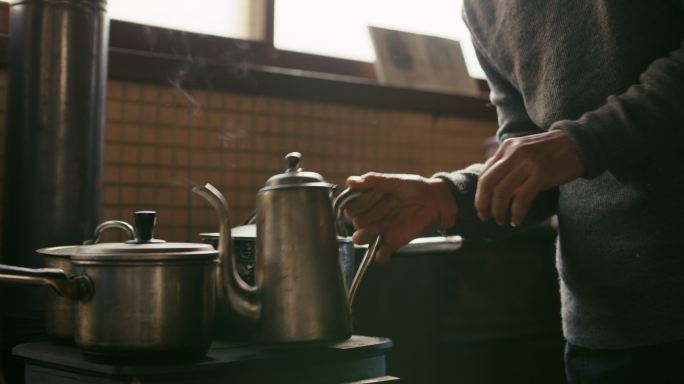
(520, 169)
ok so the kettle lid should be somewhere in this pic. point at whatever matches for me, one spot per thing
(295, 175)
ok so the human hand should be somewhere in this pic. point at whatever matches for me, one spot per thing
(400, 207)
(522, 168)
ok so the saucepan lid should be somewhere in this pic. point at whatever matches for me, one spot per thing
(60, 251)
(144, 247)
(67, 251)
(144, 252)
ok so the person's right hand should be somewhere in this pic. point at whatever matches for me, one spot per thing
(400, 207)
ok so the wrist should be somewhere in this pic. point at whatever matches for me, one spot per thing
(445, 203)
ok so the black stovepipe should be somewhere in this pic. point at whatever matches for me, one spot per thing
(57, 66)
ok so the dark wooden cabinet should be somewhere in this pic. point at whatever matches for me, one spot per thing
(486, 313)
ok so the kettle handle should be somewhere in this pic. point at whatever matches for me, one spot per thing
(344, 198)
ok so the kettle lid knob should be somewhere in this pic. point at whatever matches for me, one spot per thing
(293, 159)
(295, 176)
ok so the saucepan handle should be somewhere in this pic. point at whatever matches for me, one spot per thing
(344, 198)
(77, 287)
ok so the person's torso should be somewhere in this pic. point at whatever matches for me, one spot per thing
(567, 57)
(621, 258)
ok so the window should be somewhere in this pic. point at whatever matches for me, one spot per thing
(240, 19)
(328, 28)
(340, 28)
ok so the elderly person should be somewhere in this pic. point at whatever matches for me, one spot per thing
(590, 100)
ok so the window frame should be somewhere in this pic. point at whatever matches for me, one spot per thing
(257, 67)
(124, 35)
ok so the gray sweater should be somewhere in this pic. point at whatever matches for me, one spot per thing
(611, 74)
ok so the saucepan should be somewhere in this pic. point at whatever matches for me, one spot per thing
(140, 298)
(59, 311)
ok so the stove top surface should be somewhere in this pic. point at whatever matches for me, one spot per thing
(221, 355)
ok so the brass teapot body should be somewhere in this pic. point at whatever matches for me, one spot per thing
(299, 293)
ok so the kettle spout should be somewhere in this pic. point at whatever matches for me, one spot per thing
(234, 295)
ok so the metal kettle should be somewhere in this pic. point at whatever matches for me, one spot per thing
(299, 293)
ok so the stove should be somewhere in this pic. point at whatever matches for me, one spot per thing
(360, 359)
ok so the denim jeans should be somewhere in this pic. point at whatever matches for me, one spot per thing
(663, 363)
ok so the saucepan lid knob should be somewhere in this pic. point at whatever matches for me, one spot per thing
(144, 248)
(145, 223)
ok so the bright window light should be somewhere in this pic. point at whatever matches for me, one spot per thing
(340, 28)
(332, 28)
(228, 18)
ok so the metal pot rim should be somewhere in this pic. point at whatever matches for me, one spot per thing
(247, 231)
(216, 235)
(59, 251)
(144, 252)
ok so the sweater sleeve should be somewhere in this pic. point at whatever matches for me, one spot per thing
(513, 122)
(637, 135)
